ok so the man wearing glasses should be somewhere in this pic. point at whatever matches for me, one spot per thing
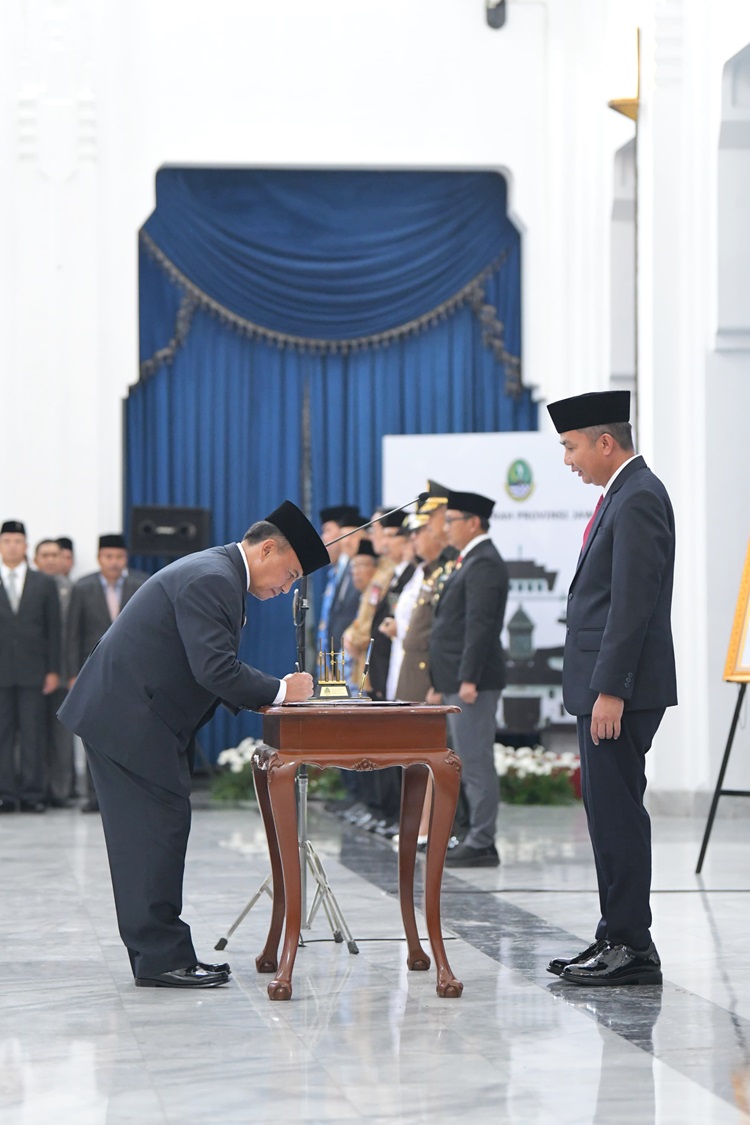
(467, 666)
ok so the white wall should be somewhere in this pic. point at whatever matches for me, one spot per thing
(98, 95)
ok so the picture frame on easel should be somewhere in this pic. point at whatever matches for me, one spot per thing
(737, 667)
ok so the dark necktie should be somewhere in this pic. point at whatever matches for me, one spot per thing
(590, 524)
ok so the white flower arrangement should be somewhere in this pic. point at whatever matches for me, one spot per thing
(533, 775)
(234, 778)
(237, 757)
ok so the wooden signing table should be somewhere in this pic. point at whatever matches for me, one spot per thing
(356, 737)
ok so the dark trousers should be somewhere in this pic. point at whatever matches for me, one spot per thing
(22, 717)
(613, 781)
(146, 830)
(59, 749)
(472, 735)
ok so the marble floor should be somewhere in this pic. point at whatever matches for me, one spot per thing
(363, 1039)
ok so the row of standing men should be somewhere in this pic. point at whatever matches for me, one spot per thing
(429, 591)
(49, 623)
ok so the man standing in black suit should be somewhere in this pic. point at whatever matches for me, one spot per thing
(618, 675)
(158, 673)
(29, 670)
(467, 667)
(95, 602)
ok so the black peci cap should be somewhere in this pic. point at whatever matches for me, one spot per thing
(113, 540)
(471, 503)
(393, 519)
(303, 538)
(12, 527)
(598, 408)
(345, 515)
(365, 548)
(64, 543)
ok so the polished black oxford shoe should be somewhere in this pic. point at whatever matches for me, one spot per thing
(557, 964)
(197, 976)
(466, 856)
(33, 806)
(616, 964)
(215, 968)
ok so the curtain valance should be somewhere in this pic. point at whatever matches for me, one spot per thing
(326, 262)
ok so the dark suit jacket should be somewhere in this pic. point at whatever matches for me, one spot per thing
(465, 637)
(88, 616)
(619, 635)
(30, 640)
(163, 664)
(343, 609)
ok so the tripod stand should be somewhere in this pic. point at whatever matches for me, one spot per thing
(308, 857)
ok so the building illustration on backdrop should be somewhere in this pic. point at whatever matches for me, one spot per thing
(533, 639)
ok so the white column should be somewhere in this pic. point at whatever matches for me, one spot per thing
(673, 260)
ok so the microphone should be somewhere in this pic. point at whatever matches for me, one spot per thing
(419, 500)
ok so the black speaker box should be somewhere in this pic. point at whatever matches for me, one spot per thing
(169, 531)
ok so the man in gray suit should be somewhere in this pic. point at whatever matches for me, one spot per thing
(29, 670)
(96, 601)
(59, 741)
(467, 666)
(158, 673)
(618, 675)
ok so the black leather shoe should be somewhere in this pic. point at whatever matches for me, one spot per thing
(215, 968)
(196, 976)
(616, 964)
(387, 829)
(466, 856)
(365, 821)
(90, 806)
(7, 806)
(33, 806)
(557, 964)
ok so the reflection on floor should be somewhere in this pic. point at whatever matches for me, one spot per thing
(363, 1039)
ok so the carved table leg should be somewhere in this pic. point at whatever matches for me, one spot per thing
(267, 960)
(412, 799)
(284, 809)
(446, 771)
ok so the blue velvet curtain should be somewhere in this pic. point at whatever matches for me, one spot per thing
(288, 320)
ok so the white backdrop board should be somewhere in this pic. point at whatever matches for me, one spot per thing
(541, 510)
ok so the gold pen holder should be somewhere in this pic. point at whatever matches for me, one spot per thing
(331, 681)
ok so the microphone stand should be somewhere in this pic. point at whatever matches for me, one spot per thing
(308, 857)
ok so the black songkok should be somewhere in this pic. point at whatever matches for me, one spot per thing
(303, 538)
(598, 408)
(471, 503)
